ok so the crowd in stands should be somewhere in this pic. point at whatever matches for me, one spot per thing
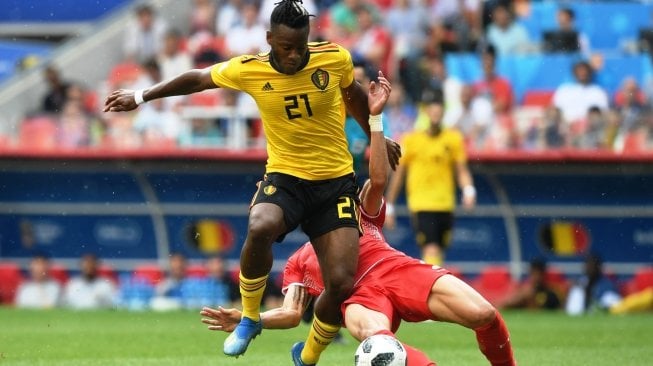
(189, 286)
(409, 40)
(177, 286)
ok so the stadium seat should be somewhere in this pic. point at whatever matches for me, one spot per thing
(494, 283)
(537, 98)
(196, 271)
(59, 273)
(151, 273)
(207, 98)
(642, 279)
(38, 133)
(123, 73)
(10, 279)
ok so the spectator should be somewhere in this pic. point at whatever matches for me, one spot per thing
(474, 118)
(566, 18)
(173, 60)
(460, 19)
(224, 291)
(203, 16)
(73, 131)
(432, 162)
(168, 293)
(594, 135)
(631, 102)
(41, 291)
(407, 22)
(401, 112)
(57, 93)
(534, 292)
(373, 43)
(575, 98)
(506, 35)
(228, 17)
(144, 35)
(593, 291)
(437, 78)
(89, 290)
(249, 37)
(554, 133)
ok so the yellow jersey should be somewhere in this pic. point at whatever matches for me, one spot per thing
(303, 114)
(430, 169)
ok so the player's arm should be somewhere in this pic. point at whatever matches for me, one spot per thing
(189, 82)
(361, 106)
(289, 315)
(372, 196)
(395, 185)
(466, 184)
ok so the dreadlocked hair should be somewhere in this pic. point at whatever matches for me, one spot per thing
(290, 13)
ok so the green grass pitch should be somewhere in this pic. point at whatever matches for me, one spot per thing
(59, 337)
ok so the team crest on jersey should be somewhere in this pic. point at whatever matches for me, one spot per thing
(269, 190)
(320, 78)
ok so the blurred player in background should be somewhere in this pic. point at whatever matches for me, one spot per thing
(432, 162)
(381, 297)
(301, 91)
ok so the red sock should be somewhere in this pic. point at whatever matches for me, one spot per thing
(494, 341)
(414, 357)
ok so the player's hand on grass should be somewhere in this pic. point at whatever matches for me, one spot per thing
(222, 319)
(121, 100)
(394, 152)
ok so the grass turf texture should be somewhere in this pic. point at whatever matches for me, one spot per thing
(59, 337)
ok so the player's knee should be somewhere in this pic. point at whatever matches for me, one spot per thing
(340, 284)
(262, 228)
(483, 314)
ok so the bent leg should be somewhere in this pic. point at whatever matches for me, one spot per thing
(337, 252)
(453, 300)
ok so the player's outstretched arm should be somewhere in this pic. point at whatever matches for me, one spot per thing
(372, 195)
(289, 315)
(189, 82)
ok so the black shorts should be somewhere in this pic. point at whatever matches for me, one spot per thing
(318, 206)
(433, 227)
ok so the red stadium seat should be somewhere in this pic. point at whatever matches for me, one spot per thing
(197, 271)
(10, 279)
(642, 280)
(538, 98)
(59, 273)
(494, 283)
(38, 133)
(207, 98)
(151, 273)
(123, 73)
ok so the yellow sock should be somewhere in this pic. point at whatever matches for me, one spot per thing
(637, 302)
(433, 259)
(319, 337)
(251, 294)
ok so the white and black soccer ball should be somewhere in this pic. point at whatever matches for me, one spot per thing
(380, 350)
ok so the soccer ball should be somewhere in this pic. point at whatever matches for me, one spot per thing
(380, 350)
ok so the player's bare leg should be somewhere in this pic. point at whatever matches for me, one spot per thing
(266, 223)
(363, 322)
(453, 300)
(337, 252)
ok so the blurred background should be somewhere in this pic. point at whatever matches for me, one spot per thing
(553, 98)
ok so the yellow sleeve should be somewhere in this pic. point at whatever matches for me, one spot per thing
(348, 71)
(227, 74)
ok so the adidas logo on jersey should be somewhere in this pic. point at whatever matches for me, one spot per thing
(267, 87)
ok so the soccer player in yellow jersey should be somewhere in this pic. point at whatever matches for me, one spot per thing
(301, 91)
(433, 160)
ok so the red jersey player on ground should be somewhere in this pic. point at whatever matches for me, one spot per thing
(381, 299)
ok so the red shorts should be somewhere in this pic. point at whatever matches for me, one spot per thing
(399, 288)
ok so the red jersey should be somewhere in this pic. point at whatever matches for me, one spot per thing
(303, 267)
